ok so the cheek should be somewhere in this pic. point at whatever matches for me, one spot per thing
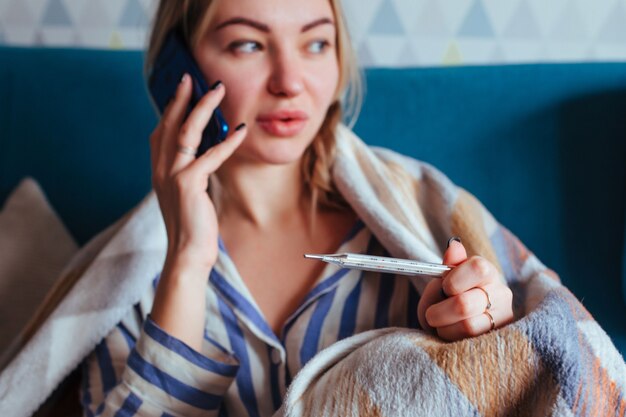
(238, 101)
(325, 86)
(241, 82)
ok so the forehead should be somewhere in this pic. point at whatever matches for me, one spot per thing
(285, 14)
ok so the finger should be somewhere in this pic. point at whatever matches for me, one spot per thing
(190, 135)
(471, 327)
(174, 115)
(210, 161)
(475, 272)
(191, 130)
(455, 253)
(459, 307)
(453, 256)
(431, 295)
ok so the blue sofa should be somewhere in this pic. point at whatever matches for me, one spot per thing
(542, 146)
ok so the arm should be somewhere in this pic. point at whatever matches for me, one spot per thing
(150, 373)
(169, 367)
(180, 181)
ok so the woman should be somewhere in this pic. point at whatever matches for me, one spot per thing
(279, 71)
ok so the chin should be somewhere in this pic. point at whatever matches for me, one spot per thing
(276, 151)
(280, 155)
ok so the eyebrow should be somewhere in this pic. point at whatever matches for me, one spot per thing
(265, 28)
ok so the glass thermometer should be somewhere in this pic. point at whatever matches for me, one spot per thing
(382, 264)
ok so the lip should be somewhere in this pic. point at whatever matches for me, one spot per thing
(283, 123)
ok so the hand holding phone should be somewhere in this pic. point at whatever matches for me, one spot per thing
(173, 61)
(191, 122)
(180, 179)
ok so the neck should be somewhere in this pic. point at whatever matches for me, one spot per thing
(262, 195)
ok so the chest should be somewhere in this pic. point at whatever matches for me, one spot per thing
(273, 267)
(278, 278)
(359, 302)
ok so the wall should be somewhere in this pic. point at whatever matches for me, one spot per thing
(387, 32)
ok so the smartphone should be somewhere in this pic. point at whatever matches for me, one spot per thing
(172, 62)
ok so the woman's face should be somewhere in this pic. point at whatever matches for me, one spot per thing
(278, 61)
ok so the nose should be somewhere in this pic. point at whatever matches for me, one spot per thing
(286, 75)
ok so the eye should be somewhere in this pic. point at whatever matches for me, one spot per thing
(246, 47)
(318, 46)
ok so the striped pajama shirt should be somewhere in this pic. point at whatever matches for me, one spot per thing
(243, 369)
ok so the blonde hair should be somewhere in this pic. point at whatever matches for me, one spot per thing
(193, 17)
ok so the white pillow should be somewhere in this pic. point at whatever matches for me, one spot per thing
(34, 249)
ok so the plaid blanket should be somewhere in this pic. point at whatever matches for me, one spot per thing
(553, 360)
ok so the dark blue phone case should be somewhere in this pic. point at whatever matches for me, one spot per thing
(172, 62)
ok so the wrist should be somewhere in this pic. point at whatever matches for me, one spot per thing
(187, 262)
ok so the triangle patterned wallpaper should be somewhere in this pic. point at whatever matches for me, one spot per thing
(387, 33)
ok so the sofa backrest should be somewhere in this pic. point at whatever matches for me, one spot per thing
(542, 146)
(78, 121)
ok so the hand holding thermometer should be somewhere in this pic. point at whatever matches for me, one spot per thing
(383, 264)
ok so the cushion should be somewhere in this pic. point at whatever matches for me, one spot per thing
(34, 248)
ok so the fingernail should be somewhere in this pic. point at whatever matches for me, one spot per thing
(458, 239)
(216, 85)
(184, 77)
(241, 126)
(443, 293)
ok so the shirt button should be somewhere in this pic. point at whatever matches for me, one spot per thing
(276, 359)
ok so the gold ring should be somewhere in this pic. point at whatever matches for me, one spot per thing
(187, 150)
(493, 323)
(488, 299)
